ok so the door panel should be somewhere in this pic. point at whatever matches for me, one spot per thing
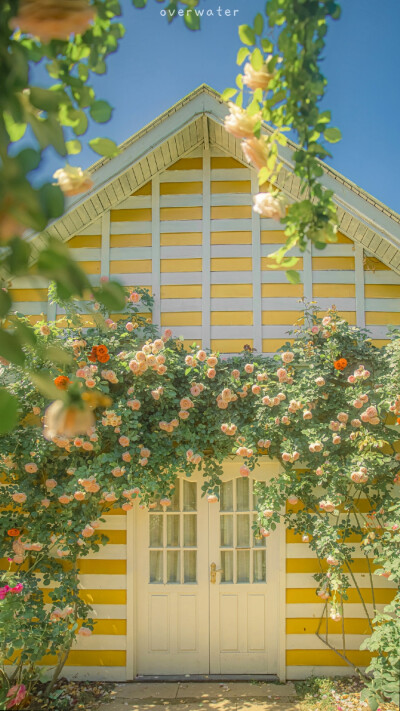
(172, 585)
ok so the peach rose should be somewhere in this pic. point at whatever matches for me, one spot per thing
(53, 19)
(268, 206)
(73, 181)
(31, 468)
(19, 497)
(239, 123)
(256, 151)
(257, 79)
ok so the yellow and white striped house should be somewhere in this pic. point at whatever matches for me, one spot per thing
(173, 213)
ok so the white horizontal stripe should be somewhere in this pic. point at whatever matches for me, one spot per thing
(302, 610)
(297, 673)
(267, 249)
(332, 277)
(379, 331)
(181, 200)
(231, 304)
(382, 305)
(113, 523)
(183, 252)
(93, 229)
(188, 332)
(229, 199)
(173, 278)
(109, 612)
(267, 224)
(341, 304)
(30, 282)
(102, 581)
(281, 304)
(231, 277)
(183, 226)
(300, 550)
(139, 279)
(180, 305)
(296, 581)
(131, 203)
(381, 277)
(130, 228)
(227, 174)
(181, 176)
(110, 551)
(30, 308)
(276, 332)
(334, 250)
(95, 673)
(311, 641)
(100, 642)
(278, 277)
(232, 331)
(130, 253)
(238, 225)
(231, 250)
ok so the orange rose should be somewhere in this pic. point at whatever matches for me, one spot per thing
(101, 350)
(103, 358)
(62, 382)
(13, 532)
(340, 364)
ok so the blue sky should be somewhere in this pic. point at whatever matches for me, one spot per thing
(158, 64)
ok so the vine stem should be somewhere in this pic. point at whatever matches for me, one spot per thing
(360, 594)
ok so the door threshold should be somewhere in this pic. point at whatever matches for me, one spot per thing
(184, 678)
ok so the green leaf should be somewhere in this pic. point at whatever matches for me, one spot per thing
(257, 59)
(100, 111)
(332, 135)
(112, 295)
(259, 24)
(228, 93)
(44, 99)
(5, 302)
(267, 45)
(28, 159)
(239, 81)
(15, 130)
(10, 348)
(57, 355)
(242, 54)
(73, 147)
(45, 384)
(52, 200)
(192, 21)
(25, 333)
(18, 259)
(104, 147)
(139, 3)
(247, 35)
(8, 411)
(293, 276)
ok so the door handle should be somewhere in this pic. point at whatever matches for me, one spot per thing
(213, 573)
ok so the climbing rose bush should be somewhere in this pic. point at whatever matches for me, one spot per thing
(128, 409)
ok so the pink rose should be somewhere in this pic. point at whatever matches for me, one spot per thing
(129, 326)
(31, 468)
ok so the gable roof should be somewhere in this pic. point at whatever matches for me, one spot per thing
(197, 120)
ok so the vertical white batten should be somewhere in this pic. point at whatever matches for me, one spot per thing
(256, 270)
(360, 286)
(282, 603)
(156, 249)
(307, 273)
(206, 248)
(105, 244)
(130, 598)
(51, 310)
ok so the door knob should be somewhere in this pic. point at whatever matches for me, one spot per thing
(213, 573)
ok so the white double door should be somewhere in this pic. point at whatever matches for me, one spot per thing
(207, 588)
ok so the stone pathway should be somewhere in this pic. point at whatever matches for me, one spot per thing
(203, 696)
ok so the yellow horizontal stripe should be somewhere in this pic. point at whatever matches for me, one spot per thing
(382, 318)
(342, 239)
(115, 536)
(230, 186)
(34, 319)
(272, 237)
(89, 658)
(138, 215)
(332, 263)
(100, 566)
(90, 267)
(334, 290)
(226, 291)
(181, 265)
(108, 626)
(309, 595)
(231, 237)
(268, 263)
(28, 294)
(349, 316)
(144, 190)
(187, 164)
(361, 504)
(272, 344)
(177, 239)
(231, 212)
(130, 240)
(373, 264)
(136, 266)
(236, 264)
(115, 512)
(232, 318)
(382, 291)
(124, 317)
(85, 241)
(311, 565)
(95, 597)
(186, 318)
(379, 342)
(273, 290)
(181, 291)
(233, 345)
(181, 188)
(181, 213)
(276, 318)
(325, 657)
(309, 625)
(292, 537)
(222, 163)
